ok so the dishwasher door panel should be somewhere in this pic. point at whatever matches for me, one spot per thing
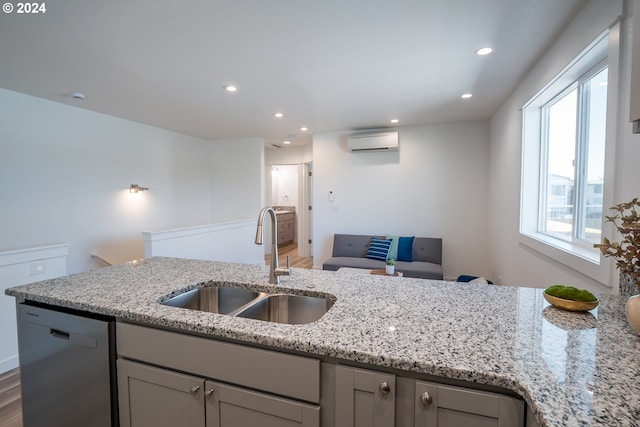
(65, 367)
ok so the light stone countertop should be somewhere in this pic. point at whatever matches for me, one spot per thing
(573, 369)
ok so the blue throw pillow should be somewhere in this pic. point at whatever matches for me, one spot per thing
(405, 249)
(379, 249)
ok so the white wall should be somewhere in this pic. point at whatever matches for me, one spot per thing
(232, 241)
(512, 262)
(237, 167)
(284, 185)
(65, 173)
(289, 155)
(436, 185)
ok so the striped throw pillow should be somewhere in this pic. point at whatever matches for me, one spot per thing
(379, 249)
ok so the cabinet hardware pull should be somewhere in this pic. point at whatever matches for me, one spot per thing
(208, 393)
(384, 388)
(194, 389)
(426, 398)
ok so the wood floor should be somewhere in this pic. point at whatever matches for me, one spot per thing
(10, 404)
(292, 251)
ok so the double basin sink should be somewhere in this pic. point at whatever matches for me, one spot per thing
(241, 302)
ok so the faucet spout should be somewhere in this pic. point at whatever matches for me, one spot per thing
(274, 270)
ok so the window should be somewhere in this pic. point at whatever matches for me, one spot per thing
(568, 146)
(572, 150)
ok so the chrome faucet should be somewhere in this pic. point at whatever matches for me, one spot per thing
(274, 271)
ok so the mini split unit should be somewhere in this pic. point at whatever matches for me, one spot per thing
(379, 141)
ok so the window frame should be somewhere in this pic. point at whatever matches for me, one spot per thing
(580, 179)
(579, 256)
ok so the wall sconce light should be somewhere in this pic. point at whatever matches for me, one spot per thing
(135, 188)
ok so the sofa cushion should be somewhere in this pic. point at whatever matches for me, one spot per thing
(421, 270)
(427, 249)
(351, 245)
(352, 262)
(378, 249)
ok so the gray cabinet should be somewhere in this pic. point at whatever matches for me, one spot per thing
(256, 382)
(364, 398)
(229, 406)
(378, 399)
(449, 406)
(150, 396)
(286, 227)
(197, 381)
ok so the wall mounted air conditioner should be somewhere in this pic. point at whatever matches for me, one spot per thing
(379, 141)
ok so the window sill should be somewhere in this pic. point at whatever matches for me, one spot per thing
(583, 260)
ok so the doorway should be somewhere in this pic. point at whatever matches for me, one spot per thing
(291, 186)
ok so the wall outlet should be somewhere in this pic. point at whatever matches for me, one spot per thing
(37, 267)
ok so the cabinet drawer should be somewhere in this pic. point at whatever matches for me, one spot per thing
(280, 373)
(285, 216)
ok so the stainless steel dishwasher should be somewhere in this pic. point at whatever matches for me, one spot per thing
(66, 366)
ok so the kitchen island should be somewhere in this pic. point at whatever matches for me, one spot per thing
(570, 368)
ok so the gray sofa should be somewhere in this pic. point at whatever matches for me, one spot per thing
(350, 250)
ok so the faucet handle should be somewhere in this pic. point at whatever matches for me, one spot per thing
(282, 271)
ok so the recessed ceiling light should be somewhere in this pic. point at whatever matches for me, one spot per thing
(286, 142)
(278, 115)
(77, 95)
(394, 121)
(304, 129)
(484, 51)
(231, 88)
(466, 96)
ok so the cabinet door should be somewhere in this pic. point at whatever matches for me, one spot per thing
(289, 228)
(156, 397)
(448, 406)
(229, 406)
(364, 398)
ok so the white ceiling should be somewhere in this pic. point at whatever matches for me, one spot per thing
(326, 64)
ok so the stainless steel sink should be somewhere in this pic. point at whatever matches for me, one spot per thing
(242, 302)
(287, 308)
(214, 299)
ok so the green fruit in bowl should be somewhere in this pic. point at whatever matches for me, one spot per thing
(570, 293)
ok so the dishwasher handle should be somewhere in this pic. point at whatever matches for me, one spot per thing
(73, 338)
(56, 333)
